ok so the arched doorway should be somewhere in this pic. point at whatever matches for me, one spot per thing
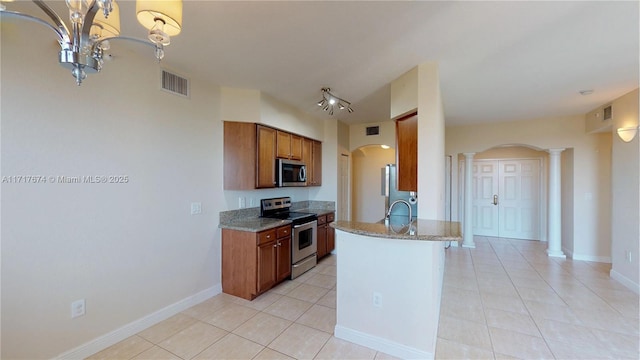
(367, 201)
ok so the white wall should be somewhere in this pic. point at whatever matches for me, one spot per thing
(359, 138)
(625, 188)
(129, 249)
(547, 133)
(405, 323)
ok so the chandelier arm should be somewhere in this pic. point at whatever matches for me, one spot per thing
(62, 37)
(61, 28)
(145, 42)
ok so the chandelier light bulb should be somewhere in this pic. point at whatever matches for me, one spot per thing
(77, 10)
(82, 46)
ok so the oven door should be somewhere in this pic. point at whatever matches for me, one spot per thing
(305, 240)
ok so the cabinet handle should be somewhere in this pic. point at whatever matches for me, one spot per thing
(275, 245)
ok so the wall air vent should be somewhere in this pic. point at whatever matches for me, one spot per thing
(373, 130)
(175, 84)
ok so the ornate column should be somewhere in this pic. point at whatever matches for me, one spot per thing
(555, 214)
(467, 232)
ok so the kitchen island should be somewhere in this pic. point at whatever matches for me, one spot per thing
(389, 284)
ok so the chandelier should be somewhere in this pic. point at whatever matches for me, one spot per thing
(329, 101)
(95, 22)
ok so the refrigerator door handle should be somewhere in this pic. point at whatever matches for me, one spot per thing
(384, 181)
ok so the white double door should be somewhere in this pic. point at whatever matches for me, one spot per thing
(506, 198)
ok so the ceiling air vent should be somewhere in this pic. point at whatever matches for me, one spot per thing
(175, 84)
(373, 130)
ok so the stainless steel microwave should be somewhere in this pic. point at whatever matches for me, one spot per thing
(291, 173)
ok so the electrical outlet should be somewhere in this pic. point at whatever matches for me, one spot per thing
(241, 202)
(77, 308)
(377, 299)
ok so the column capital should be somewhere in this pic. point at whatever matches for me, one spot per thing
(468, 155)
(556, 151)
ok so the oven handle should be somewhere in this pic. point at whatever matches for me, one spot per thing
(306, 225)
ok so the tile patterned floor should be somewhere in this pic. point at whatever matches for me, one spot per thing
(505, 299)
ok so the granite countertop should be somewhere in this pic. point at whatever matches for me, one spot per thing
(254, 224)
(248, 220)
(420, 229)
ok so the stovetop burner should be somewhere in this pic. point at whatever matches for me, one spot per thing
(278, 208)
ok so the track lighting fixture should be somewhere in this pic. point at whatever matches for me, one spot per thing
(329, 101)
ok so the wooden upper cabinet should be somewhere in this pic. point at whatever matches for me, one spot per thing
(266, 157)
(316, 164)
(407, 152)
(251, 150)
(289, 146)
(240, 155)
(307, 157)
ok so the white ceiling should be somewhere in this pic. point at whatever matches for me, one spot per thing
(498, 61)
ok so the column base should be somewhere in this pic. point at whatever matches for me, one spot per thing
(556, 253)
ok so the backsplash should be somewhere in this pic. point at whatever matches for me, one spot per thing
(312, 204)
(230, 216)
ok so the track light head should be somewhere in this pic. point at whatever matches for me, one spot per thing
(329, 100)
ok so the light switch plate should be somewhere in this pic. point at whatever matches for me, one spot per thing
(196, 208)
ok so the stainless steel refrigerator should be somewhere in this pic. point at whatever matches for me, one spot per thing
(391, 194)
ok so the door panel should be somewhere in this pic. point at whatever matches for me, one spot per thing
(516, 183)
(485, 185)
(519, 199)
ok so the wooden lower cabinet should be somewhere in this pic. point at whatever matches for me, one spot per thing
(253, 263)
(326, 235)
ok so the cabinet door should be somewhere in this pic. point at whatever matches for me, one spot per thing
(307, 158)
(239, 155)
(284, 258)
(407, 153)
(322, 240)
(267, 254)
(296, 147)
(331, 238)
(266, 176)
(316, 180)
(284, 145)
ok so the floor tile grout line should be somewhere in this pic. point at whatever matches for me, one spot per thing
(522, 300)
(526, 307)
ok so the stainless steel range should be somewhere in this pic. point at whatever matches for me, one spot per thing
(304, 237)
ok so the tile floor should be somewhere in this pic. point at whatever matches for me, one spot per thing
(505, 299)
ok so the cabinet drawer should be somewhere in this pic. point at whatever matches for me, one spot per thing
(331, 217)
(284, 231)
(322, 219)
(266, 236)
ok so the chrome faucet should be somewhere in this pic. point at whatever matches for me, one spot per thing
(399, 201)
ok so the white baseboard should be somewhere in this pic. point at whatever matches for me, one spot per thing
(625, 281)
(386, 346)
(602, 259)
(574, 256)
(136, 326)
